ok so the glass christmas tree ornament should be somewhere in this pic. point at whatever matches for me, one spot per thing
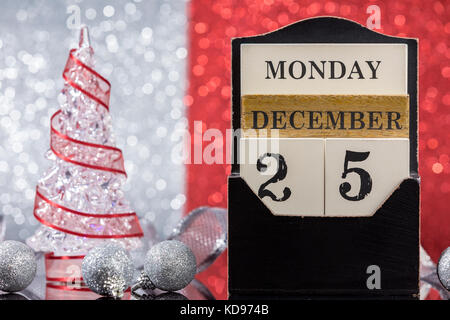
(79, 200)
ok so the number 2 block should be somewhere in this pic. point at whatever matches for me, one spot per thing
(287, 174)
(360, 174)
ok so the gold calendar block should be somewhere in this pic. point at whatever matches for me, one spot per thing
(322, 116)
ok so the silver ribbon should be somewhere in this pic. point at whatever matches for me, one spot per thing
(204, 230)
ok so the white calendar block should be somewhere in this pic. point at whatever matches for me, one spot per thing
(287, 174)
(360, 174)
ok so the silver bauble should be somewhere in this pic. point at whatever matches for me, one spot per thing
(108, 270)
(17, 266)
(443, 268)
(12, 297)
(170, 296)
(170, 265)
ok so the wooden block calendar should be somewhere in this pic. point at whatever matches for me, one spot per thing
(324, 191)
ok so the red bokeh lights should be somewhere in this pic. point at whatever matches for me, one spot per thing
(214, 23)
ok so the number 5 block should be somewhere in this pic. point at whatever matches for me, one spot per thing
(360, 174)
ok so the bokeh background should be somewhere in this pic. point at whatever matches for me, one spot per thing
(212, 24)
(169, 65)
(141, 48)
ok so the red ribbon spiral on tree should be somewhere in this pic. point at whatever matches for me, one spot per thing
(89, 155)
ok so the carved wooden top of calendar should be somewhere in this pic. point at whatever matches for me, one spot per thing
(327, 118)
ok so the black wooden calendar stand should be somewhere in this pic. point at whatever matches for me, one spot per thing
(322, 258)
(293, 257)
